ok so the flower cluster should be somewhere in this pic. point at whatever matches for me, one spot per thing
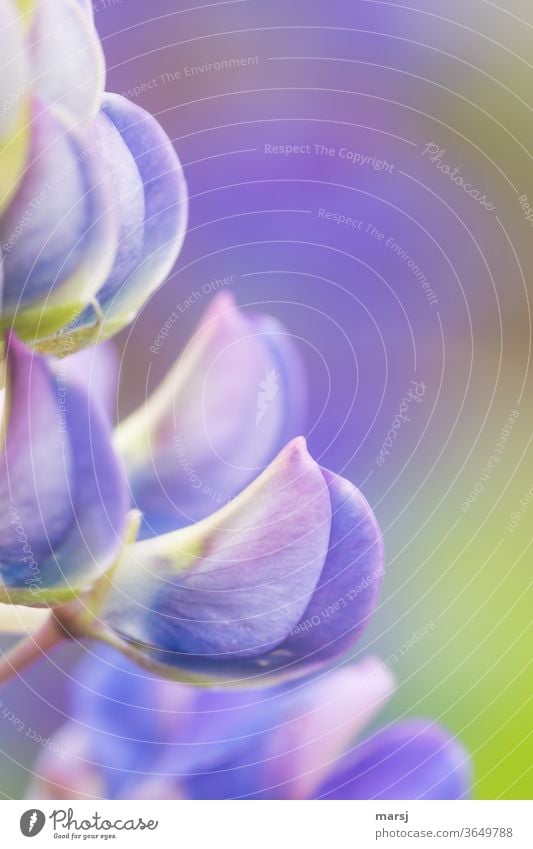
(138, 737)
(93, 203)
(200, 539)
(275, 582)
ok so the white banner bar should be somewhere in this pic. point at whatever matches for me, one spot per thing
(269, 825)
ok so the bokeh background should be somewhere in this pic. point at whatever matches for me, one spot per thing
(449, 307)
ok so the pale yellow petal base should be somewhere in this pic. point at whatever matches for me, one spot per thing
(17, 619)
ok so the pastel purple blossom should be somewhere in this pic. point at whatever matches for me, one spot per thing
(66, 58)
(273, 584)
(134, 736)
(150, 203)
(233, 400)
(245, 568)
(51, 55)
(95, 206)
(280, 579)
(58, 232)
(62, 492)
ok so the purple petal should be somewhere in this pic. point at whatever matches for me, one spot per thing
(149, 736)
(128, 198)
(57, 235)
(346, 592)
(292, 383)
(87, 6)
(348, 589)
(139, 724)
(67, 61)
(234, 585)
(14, 134)
(204, 435)
(322, 719)
(32, 479)
(97, 369)
(411, 760)
(299, 732)
(62, 493)
(151, 182)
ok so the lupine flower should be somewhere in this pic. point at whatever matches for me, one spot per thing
(51, 53)
(211, 426)
(95, 208)
(134, 736)
(62, 492)
(275, 584)
(279, 580)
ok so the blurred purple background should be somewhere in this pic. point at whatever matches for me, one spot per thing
(424, 283)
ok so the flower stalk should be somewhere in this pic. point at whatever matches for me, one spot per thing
(31, 649)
